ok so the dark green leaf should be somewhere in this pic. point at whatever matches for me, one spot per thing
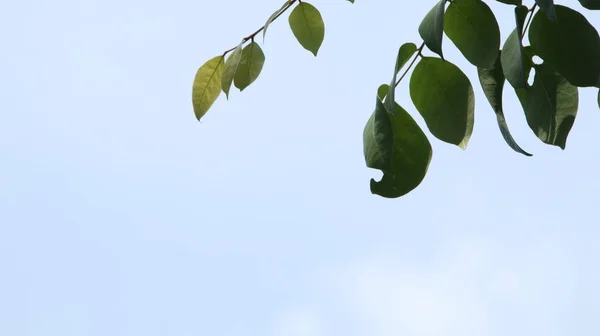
(431, 28)
(379, 139)
(512, 2)
(410, 153)
(590, 4)
(250, 66)
(492, 83)
(207, 85)
(512, 53)
(547, 7)
(404, 54)
(351, 1)
(520, 16)
(571, 45)
(472, 27)
(550, 106)
(273, 16)
(308, 27)
(231, 66)
(443, 95)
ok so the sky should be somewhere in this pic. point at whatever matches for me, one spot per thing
(121, 214)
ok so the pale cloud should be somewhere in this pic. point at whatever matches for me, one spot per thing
(476, 287)
(300, 321)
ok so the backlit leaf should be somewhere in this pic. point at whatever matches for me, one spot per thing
(273, 16)
(590, 4)
(512, 52)
(472, 27)
(571, 45)
(250, 66)
(404, 54)
(308, 27)
(443, 95)
(547, 7)
(431, 28)
(410, 153)
(207, 85)
(492, 82)
(550, 106)
(511, 2)
(231, 66)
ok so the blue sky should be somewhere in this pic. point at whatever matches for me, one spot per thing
(120, 214)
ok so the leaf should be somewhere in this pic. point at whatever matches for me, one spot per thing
(511, 2)
(431, 28)
(590, 4)
(512, 52)
(231, 66)
(308, 27)
(550, 106)
(443, 95)
(207, 85)
(352, 1)
(547, 7)
(404, 54)
(472, 27)
(571, 45)
(379, 139)
(273, 16)
(408, 157)
(250, 66)
(492, 83)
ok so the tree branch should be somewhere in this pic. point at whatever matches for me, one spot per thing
(251, 36)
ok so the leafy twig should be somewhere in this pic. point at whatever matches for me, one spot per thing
(251, 36)
(418, 54)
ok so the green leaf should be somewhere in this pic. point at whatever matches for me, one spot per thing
(443, 95)
(431, 28)
(273, 16)
(408, 157)
(472, 27)
(547, 7)
(231, 66)
(250, 66)
(550, 105)
(512, 52)
(571, 45)
(404, 54)
(379, 139)
(207, 85)
(308, 27)
(590, 4)
(511, 2)
(492, 82)
(351, 1)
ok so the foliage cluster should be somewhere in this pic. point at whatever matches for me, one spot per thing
(565, 41)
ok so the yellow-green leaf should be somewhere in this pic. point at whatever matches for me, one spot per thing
(308, 27)
(207, 85)
(250, 66)
(231, 66)
(273, 16)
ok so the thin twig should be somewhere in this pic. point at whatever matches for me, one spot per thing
(528, 21)
(251, 36)
(411, 63)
